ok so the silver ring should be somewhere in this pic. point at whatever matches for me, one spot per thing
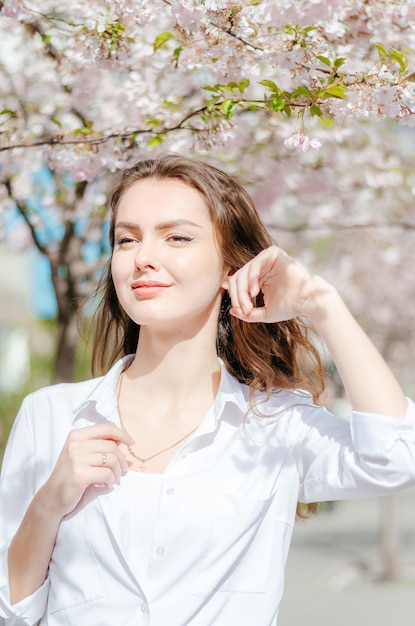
(104, 459)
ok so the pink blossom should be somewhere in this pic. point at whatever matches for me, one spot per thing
(299, 140)
(215, 5)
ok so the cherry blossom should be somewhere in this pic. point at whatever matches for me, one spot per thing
(300, 140)
(311, 103)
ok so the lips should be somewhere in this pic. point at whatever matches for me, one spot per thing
(147, 284)
(148, 288)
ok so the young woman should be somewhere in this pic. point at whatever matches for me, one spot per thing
(165, 492)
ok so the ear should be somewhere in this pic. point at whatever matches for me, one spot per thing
(226, 274)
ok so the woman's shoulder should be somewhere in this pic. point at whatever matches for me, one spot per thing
(57, 403)
(70, 398)
(70, 391)
(269, 400)
(283, 399)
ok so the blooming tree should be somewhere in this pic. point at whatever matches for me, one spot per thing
(309, 102)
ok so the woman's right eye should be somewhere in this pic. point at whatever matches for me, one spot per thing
(125, 240)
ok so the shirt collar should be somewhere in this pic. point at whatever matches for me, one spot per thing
(231, 390)
(104, 394)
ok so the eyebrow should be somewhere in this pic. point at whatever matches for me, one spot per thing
(160, 226)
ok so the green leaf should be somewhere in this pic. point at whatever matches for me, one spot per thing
(302, 91)
(253, 106)
(400, 58)
(269, 84)
(231, 110)
(177, 51)
(162, 39)
(381, 51)
(228, 106)
(156, 141)
(209, 88)
(215, 88)
(7, 112)
(316, 111)
(212, 103)
(338, 91)
(324, 60)
(278, 103)
(243, 84)
(81, 131)
(56, 121)
(326, 122)
(339, 62)
(154, 122)
(86, 129)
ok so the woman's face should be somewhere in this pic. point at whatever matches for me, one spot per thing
(166, 263)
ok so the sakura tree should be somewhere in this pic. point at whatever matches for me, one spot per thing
(311, 103)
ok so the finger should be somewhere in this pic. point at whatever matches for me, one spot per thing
(104, 431)
(254, 316)
(82, 454)
(108, 452)
(254, 276)
(240, 296)
(233, 291)
(109, 461)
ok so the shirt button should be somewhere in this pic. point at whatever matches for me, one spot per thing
(160, 551)
(144, 607)
(170, 491)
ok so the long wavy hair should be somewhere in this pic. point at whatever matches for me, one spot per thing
(264, 356)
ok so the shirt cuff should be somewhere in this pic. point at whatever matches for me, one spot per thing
(28, 611)
(375, 434)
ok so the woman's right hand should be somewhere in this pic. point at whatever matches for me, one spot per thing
(91, 455)
(79, 465)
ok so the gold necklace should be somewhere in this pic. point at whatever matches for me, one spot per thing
(153, 456)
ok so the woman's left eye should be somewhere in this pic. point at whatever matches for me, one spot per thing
(179, 238)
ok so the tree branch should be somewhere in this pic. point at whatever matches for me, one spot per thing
(52, 52)
(95, 140)
(24, 213)
(228, 31)
(330, 227)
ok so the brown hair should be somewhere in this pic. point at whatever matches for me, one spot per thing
(263, 356)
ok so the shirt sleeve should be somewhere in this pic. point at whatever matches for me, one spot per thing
(28, 611)
(17, 489)
(370, 455)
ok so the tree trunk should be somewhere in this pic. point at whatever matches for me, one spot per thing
(389, 539)
(67, 341)
(390, 545)
(66, 289)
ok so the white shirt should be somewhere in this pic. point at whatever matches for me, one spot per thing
(206, 542)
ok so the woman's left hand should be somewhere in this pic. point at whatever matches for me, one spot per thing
(287, 287)
(290, 290)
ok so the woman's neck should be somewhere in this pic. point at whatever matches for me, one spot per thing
(175, 366)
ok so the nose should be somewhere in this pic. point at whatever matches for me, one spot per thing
(146, 256)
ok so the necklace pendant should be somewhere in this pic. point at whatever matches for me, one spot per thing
(143, 468)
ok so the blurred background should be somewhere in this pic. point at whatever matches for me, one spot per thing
(312, 107)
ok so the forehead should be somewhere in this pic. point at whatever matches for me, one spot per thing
(166, 197)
